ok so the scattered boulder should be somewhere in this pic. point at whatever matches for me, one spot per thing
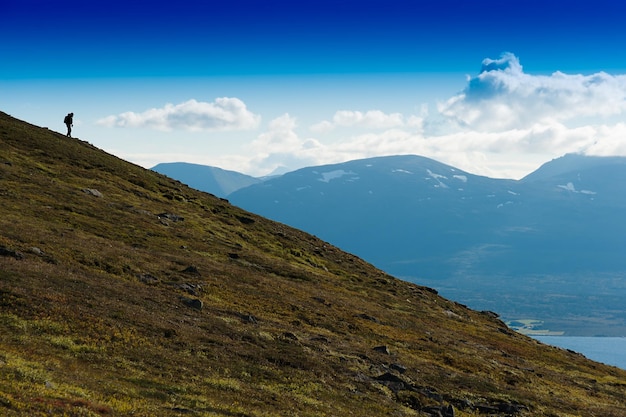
(322, 300)
(431, 290)
(245, 219)
(249, 318)
(181, 410)
(393, 382)
(486, 409)
(194, 303)
(169, 333)
(36, 251)
(506, 331)
(491, 314)
(398, 368)
(511, 408)
(439, 411)
(289, 335)
(191, 289)
(452, 314)
(93, 192)
(11, 253)
(170, 216)
(382, 349)
(367, 317)
(191, 270)
(148, 279)
(320, 339)
(165, 218)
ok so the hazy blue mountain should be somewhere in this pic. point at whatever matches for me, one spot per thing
(516, 247)
(401, 210)
(216, 181)
(572, 163)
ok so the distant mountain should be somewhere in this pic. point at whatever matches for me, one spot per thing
(569, 163)
(512, 246)
(388, 209)
(217, 181)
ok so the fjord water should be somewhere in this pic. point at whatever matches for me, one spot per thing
(607, 350)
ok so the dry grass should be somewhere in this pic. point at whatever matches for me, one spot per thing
(97, 311)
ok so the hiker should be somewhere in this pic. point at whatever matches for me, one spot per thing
(69, 121)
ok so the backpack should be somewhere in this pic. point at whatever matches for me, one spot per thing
(67, 119)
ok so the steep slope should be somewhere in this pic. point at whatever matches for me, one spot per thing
(123, 292)
(217, 181)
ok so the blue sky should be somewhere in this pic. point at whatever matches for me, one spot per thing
(492, 87)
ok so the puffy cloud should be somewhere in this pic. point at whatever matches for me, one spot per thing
(507, 136)
(372, 119)
(506, 154)
(323, 127)
(280, 137)
(280, 147)
(607, 140)
(511, 122)
(504, 97)
(223, 114)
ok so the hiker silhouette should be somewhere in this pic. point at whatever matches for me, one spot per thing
(69, 122)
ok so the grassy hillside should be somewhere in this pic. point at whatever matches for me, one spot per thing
(123, 292)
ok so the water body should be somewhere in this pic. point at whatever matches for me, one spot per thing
(608, 350)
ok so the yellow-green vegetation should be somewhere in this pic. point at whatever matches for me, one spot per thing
(123, 292)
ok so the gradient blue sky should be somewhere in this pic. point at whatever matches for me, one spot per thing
(254, 86)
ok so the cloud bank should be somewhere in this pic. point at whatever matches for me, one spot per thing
(504, 123)
(371, 119)
(223, 114)
(503, 97)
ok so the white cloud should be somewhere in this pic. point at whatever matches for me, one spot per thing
(503, 97)
(374, 119)
(280, 137)
(322, 127)
(223, 114)
(280, 147)
(506, 123)
(607, 140)
(371, 119)
(507, 154)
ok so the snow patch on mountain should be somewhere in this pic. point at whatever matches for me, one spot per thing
(463, 178)
(437, 177)
(333, 175)
(403, 171)
(571, 188)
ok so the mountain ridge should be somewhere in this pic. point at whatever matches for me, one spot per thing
(217, 181)
(124, 292)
